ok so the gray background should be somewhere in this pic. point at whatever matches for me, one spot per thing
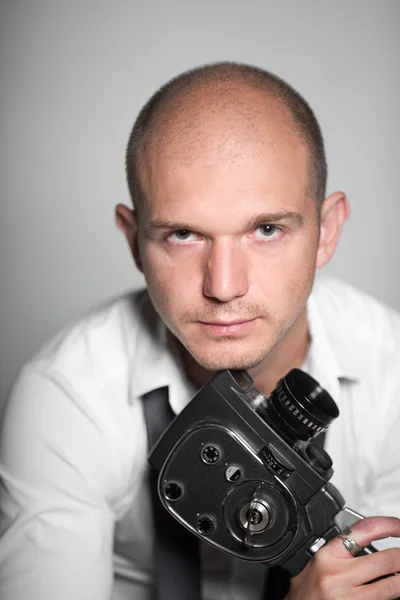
(73, 76)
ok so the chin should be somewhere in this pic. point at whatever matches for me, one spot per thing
(230, 360)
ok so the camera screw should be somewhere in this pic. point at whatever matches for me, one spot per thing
(210, 454)
(173, 491)
(206, 524)
(233, 473)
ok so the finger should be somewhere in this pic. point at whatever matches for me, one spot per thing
(368, 569)
(385, 589)
(363, 533)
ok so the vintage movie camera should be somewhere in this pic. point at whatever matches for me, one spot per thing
(242, 472)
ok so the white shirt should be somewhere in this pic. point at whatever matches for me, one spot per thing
(73, 453)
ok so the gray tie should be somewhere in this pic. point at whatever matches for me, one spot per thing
(177, 556)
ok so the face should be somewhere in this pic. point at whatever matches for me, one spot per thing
(227, 241)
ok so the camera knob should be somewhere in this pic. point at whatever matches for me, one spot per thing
(319, 459)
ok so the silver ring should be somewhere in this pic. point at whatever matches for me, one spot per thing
(345, 532)
(351, 546)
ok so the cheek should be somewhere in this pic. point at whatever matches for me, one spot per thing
(285, 278)
(300, 273)
(301, 256)
(170, 284)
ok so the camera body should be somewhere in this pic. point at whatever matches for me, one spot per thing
(241, 471)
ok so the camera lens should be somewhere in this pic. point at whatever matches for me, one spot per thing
(299, 407)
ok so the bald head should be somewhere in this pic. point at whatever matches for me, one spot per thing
(220, 113)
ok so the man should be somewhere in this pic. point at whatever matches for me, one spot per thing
(227, 174)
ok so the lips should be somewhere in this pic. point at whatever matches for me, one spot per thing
(226, 323)
(221, 328)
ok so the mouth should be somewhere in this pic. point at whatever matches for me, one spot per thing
(220, 328)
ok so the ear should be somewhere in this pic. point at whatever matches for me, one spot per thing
(126, 221)
(335, 211)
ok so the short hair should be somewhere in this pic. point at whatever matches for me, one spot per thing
(301, 117)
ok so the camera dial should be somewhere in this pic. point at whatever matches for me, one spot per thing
(254, 517)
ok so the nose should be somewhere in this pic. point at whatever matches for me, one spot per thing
(225, 275)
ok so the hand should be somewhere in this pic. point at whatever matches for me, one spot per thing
(333, 574)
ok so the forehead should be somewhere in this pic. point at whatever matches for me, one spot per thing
(222, 199)
(225, 160)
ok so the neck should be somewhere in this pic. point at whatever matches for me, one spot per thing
(289, 353)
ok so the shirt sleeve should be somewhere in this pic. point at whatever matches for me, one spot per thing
(56, 524)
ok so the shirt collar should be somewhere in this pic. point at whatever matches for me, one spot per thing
(329, 359)
(155, 362)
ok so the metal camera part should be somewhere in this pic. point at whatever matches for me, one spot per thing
(298, 408)
(254, 516)
(252, 483)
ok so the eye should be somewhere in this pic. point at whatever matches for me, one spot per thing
(182, 235)
(267, 231)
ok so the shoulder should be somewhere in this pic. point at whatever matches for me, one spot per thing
(71, 404)
(96, 346)
(354, 315)
(364, 334)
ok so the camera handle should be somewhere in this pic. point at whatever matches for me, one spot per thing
(344, 519)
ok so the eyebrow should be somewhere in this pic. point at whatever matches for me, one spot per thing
(284, 215)
(160, 224)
